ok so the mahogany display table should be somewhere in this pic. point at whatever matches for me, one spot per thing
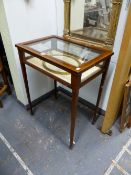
(69, 62)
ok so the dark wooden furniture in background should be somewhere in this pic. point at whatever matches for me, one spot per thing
(51, 56)
(5, 61)
(125, 120)
(4, 85)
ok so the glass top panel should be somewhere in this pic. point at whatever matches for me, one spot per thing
(65, 51)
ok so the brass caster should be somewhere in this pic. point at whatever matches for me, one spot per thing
(72, 145)
(109, 133)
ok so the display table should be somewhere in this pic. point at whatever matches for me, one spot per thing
(71, 63)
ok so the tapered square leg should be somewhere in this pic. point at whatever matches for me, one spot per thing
(55, 88)
(75, 92)
(95, 117)
(21, 55)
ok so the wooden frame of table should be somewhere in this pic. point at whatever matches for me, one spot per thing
(76, 74)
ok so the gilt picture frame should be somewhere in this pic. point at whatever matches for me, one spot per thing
(125, 120)
(109, 40)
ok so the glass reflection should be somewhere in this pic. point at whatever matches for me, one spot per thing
(97, 13)
(94, 20)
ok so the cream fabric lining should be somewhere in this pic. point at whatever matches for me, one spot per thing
(67, 78)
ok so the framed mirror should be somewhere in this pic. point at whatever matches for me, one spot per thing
(94, 21)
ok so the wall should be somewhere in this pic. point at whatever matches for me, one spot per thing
(4, 29)
(27, 20)
(77, 19)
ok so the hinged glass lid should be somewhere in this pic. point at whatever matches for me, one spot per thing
(65, 51)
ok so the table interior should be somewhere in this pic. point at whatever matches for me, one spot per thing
(66, 51)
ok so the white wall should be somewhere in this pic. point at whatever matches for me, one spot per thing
(4, 29)
(77, 14)
(120, 30)
(29, 20)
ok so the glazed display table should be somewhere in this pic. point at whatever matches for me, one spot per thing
(71, 63)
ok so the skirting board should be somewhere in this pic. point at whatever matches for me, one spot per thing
(81, 100)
